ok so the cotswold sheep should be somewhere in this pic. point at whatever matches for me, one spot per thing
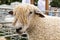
(2, 38)
(37, 25)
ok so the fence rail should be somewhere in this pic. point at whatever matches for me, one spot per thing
(10, 32)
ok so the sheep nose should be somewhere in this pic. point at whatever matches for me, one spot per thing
(18, 30)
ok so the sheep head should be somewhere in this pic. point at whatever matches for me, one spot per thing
(23, 15)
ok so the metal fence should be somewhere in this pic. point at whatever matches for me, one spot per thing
(52, 13)
(8, 31)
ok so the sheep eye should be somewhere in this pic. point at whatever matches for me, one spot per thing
(30, 13)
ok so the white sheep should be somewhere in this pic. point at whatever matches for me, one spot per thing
(38, 25)
(2, 38)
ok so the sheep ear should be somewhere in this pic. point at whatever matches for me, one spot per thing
(39, 14)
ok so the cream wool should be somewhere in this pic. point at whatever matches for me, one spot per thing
(2, 38)
(47, 28)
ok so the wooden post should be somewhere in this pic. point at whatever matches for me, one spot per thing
(55, 9)
(47, 6)
(32, 1)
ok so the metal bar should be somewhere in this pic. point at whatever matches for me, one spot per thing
(3, 22)
(50, 11)
(6, 8)
(10, 35)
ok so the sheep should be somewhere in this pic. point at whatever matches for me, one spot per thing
(2, 38)
(38, 25)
